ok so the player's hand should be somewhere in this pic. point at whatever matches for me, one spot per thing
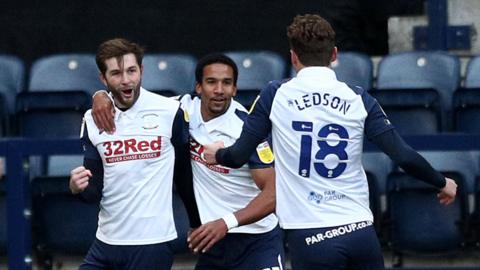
(448, 193)
(204, 237)
(79, 179)
(103, 112)
(209, 151)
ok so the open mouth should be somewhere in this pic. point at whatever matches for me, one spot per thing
(127, 92)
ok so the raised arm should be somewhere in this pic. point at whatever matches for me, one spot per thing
(103, 111)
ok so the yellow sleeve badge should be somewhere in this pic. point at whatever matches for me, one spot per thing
(265, 153)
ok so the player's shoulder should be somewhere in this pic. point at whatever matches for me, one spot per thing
(155, 101)
(237, 111)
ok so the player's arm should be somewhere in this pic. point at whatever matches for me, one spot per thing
(203, 238)
(87, 180)
(257, 127)
(103, 111)
(182, 173)
(414, 164)
(380, 131)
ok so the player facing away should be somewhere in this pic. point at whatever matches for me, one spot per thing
(235, 205)
(318, 125)
(131, 171)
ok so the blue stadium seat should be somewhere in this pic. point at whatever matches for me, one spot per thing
(169, 74)
(63, 224)
(408, 85)
(418, 223)
(255, 70)
(404, 105)
(472, 76)
(12, 77)
(52, 115)
(65, 72)
(466, 110)
(464, 163)
(354, 69)
(466, 101)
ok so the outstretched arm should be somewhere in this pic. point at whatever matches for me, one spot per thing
(414, 164)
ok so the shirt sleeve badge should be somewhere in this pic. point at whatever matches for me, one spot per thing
(265, 153)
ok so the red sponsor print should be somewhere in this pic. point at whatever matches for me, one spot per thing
(131, 149)
(196, 150)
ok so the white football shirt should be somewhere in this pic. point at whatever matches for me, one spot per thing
(318, 125)
(138, 161)
(221, 190)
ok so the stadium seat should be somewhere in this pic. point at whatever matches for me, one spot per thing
(169, 74)
(472, 76)
(466, 110)
(255, 70)
(418, 223)
(466, 101)
(63, 224)
(404, 105)
(65, 72)
(52, 115)
(354, 69)
(408, 85)
(464, 163)
(12, 76)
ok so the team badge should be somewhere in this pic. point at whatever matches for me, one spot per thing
(265, 153)
(150, 121)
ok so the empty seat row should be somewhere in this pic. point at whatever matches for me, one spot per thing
(414, 85)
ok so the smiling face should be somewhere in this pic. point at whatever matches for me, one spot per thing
(123, 77)
(216, 90)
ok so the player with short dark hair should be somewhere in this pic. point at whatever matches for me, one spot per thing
(317, 125)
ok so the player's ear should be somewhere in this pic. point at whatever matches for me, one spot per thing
(334, 54)
(102, 78)
(198, 88)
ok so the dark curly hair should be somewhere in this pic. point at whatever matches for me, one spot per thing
(312, 38)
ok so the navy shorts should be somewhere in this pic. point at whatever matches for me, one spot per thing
(240, 251)
(118, 257)
(351, 246)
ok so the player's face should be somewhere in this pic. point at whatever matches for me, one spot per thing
(123, 78)
(216, 90)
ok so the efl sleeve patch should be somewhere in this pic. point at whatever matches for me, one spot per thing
(265, 153)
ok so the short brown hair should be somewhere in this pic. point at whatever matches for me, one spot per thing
(117, 48)
(312, 38)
